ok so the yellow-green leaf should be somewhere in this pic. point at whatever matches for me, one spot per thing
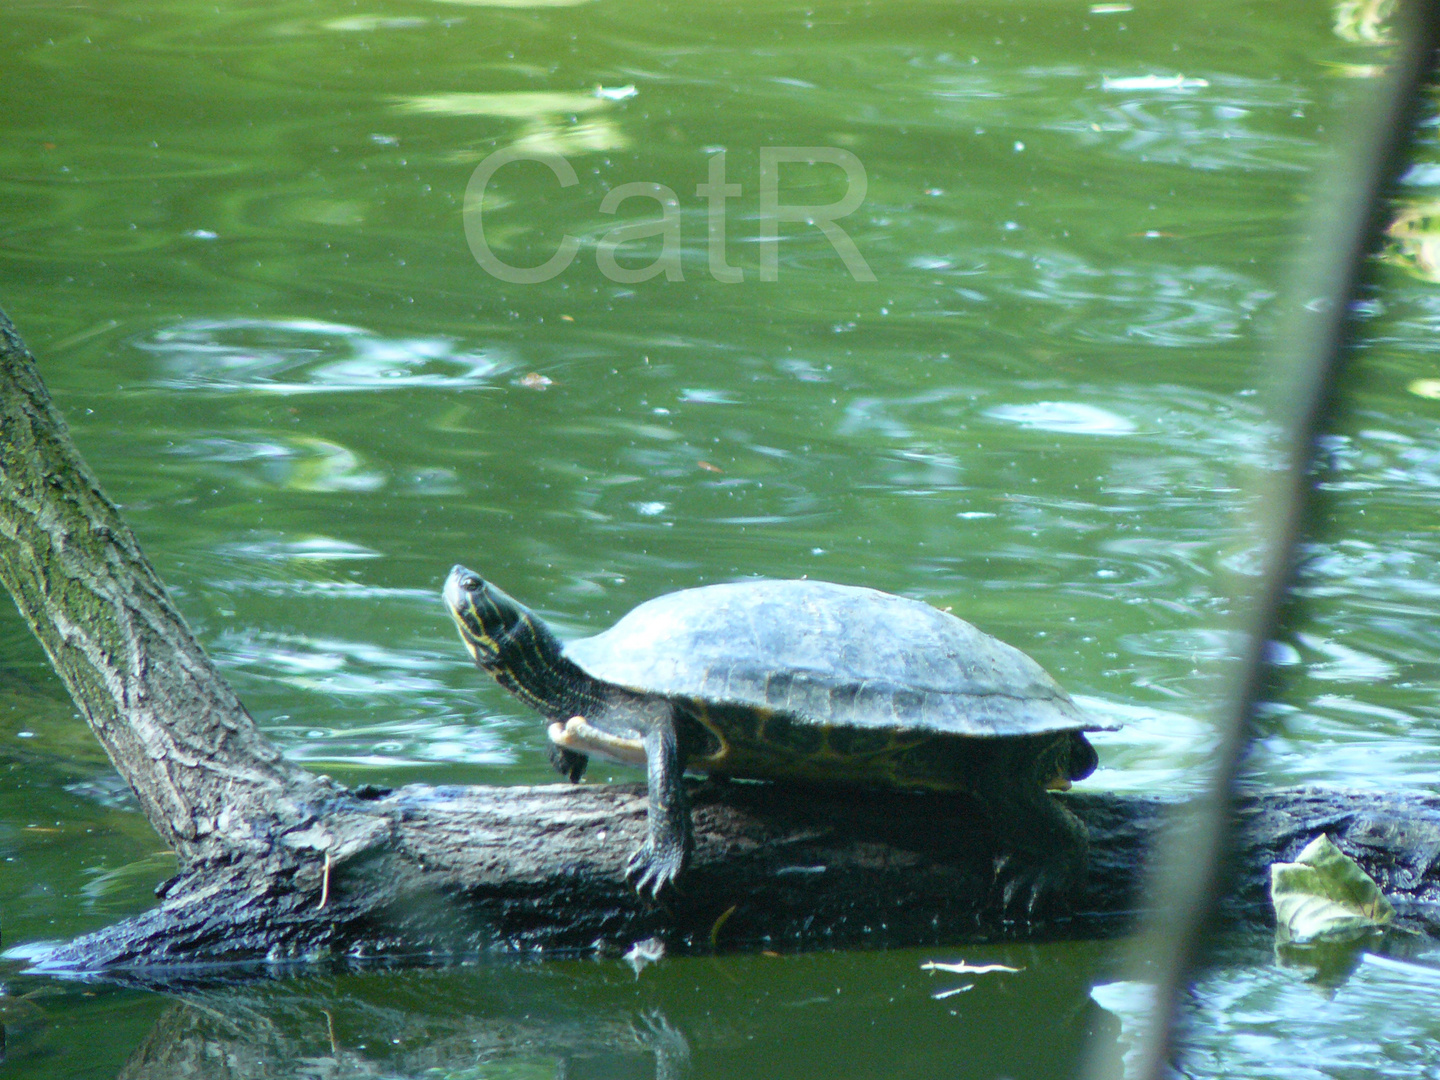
(1324, 895)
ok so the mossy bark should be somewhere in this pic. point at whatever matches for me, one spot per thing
(207, 780)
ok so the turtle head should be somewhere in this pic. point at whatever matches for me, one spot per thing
(488, 618)
(512, 644)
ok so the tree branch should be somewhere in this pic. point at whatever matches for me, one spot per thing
(207, 780)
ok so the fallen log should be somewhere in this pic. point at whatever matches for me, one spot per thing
(280, 865)
(460, 871)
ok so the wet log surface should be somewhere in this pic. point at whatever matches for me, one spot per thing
(280, 865)
(461, 871)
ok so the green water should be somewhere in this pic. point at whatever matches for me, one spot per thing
(234, 234)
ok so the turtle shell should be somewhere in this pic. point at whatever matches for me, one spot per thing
(830, 655)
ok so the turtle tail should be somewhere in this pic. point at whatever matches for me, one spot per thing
(1083, 758)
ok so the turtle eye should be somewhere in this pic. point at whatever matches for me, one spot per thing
(470, 583)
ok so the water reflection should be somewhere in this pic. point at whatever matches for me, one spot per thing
(1415, 240)
(1068, 417)
(552, 122)
(1155, 750)
(391, 707)
(1036, 417)
(800, 1017)
(1132, 1004)
(299, 356)
(307, 549)
(1261, 1021)
(1168, 304)
(297, 462)
(1365, 22)
(22, 1018)
(1226, 130)
(1358, 694)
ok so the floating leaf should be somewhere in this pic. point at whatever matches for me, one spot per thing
(1324, 895)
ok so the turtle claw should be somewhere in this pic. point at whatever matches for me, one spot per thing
(1029, 893)
(652, 871)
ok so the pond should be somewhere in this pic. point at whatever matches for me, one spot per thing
(1020, 367)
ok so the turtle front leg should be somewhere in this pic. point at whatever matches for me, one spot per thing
(662, 857)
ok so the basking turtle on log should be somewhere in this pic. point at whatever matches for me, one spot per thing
(277, 863)
(801, 681)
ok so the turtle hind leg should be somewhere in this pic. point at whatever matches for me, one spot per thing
(662, 857)
(1042, 851)
(1040, 867)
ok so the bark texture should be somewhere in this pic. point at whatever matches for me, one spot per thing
(210, 784)
(279, 865)
(460, 871)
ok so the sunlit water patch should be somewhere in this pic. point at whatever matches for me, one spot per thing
(1261, 1021)
(1153, 750)
(299, 356)
(296, 462)
(1067, 417)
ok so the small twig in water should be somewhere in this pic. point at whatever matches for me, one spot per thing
(715, 930)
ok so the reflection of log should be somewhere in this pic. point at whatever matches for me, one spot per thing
(278, 863)
(822, 1015)
(258, 1031)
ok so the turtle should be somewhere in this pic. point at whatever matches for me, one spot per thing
(800, 681)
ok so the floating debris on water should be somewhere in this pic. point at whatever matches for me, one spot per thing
(644, 953)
